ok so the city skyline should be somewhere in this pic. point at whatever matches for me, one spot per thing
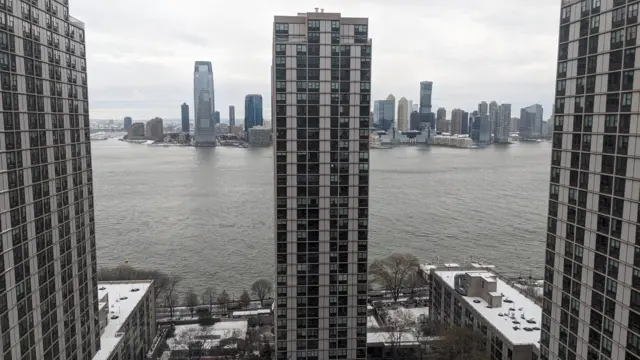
(143, 78)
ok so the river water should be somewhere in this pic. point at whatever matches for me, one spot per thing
(206, 214)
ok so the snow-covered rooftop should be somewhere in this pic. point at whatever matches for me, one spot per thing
(211, 335)
(122, 302)
(521, 309)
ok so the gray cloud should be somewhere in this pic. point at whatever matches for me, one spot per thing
(141, 53)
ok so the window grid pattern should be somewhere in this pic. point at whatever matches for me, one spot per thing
(591, 295)
(48, 288)
(321, 86)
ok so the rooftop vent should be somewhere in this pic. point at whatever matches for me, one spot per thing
(123, 298)
(535, 328)
(516, 328)
(508, 301)
(135, 290)
(476, 301)
(531, 321)
(516, 322)
(113, 317)
(500, 314)
(528, 329)
(317, 9)
(120, 333)
(102, 288)
(489, 307)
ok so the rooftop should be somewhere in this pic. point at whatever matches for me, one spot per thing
(517, 313)
(123, 299)
(210, 334)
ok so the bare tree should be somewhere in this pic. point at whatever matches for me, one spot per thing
(533, 292)
(209, 297)
(127, 272)
(191, 300)
(223, 300)
(170, 296)
(244, 299)
(171, 302)
(398, 328)
(392, 272)
(460, 343)
(413, 281)
(262, 288)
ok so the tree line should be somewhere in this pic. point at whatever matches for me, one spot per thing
(165, 289)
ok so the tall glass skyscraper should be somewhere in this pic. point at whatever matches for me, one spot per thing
(252, 111)
(321, 161)
(204, 104)
(48, 284)
(185, 117)
(591, 307)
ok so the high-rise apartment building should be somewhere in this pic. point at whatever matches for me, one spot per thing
(538, 112)
(252, 111)
(493, 119)
(464, 128)
(483, 108)
(386, 113)
(480, 129)
(456, 121)
(591, 306)
(216, 117)
(321, 182)
(503, 124)
(527, 125)
(414, 121)
(127, 122)
(403, 114)
(204, 104)
(48, 286)
(185, 117)
(441, 114)
(426, 88)
(232, 115)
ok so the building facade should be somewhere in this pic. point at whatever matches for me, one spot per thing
(503, 124)
(538, 112)
(456, 121)
(464, 127)
(204, 104)
(232, 115)
(480, 131)
(426, 89)
(403, 114)
(136, 130)
(127, 319)
(527, 125)
(154, 129)
(185, 117)
(252, 111)
(48, 286)
(592, 265)
(441, 114)
(259, 136)
(321, 157)
(386, 113)
(127, 122)
(414, 121)
(483, 108)
(507, 321)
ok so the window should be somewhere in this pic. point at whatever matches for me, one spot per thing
(626, 101)
(595, 23)
(595, 4)
(566, 13)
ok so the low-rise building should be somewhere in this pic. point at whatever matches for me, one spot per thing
(127, 318)
(195, 340)
(508, 320)
(260, 136)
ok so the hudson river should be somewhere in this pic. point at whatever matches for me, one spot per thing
(207, 214)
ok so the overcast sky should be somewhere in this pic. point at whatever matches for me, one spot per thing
(141, 52)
